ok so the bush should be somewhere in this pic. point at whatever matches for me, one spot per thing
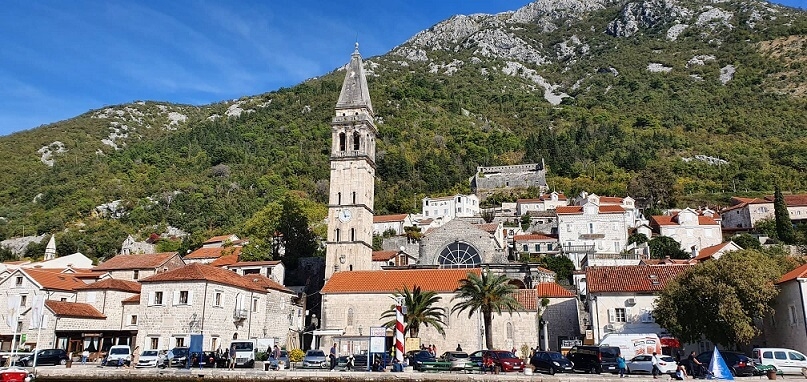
(296, 355)
(261, 356)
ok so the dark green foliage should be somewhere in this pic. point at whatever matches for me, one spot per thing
(746, 241)
(297, 238)
(561, 265)
(638, 238)
(485, 294)
(784, 227)
(663, 246)
(421, 309)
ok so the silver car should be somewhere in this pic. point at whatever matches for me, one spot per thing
(315, 359)
(458, 359)
(150, 358)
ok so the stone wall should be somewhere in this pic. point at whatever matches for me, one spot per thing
(458, 230)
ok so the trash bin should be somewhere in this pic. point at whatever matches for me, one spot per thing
(68, 363)
(771, 374)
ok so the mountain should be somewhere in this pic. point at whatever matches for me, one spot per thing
(677, 102)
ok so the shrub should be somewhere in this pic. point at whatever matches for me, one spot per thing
(296, 355)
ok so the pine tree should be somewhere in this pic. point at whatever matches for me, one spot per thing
(784, 227)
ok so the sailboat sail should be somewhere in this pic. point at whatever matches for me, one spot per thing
(718, 368)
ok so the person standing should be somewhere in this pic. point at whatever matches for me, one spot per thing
(656, 370)
(84, 356)
(231, 361)
(276, 356)
(332, 356)
(621, 365)
(695, 366)
(459, 348)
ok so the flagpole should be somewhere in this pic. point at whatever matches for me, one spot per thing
(14, 336)
(39, 325)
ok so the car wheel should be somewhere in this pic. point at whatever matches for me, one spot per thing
(63, 362)
(551, 370)
(627, 370)
(593, 370)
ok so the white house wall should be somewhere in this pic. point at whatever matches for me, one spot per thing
(602, 310)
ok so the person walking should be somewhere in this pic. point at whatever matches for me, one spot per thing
(656, 370)
(695, 366)
(332, 356)
(276, 356)
(621, 365)
(231, 361)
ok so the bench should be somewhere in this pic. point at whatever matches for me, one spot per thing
(435, 366)
(471, 368)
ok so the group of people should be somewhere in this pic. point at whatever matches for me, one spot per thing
(691, 366)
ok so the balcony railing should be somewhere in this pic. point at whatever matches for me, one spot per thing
(240, 314)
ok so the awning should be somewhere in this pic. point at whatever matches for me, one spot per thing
(670, 341)
(328, 332)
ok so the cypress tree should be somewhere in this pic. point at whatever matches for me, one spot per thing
(784, 227)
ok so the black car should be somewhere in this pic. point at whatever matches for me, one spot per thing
(416, 359)
(552, 362)
(739, 363)
(176, 357)
(45, 357)
(594, 359)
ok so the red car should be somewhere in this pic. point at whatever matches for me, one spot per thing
(505, 360)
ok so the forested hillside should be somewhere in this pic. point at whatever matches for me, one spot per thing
(679, 103)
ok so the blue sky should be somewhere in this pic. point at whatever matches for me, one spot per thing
(63, 58)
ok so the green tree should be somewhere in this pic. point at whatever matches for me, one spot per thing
(486, 293)
(561, 265)
(420, 310)
(746, 241)
(525, 222)
(297, 237)
(663, 246)
(720, 299)
(784, 227)
(767, 227)
(638, 238)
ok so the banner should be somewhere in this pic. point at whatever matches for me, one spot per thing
(12, 314)
(37, 311)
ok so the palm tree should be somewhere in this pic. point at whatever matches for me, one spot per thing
(420, 309)
(487, 293)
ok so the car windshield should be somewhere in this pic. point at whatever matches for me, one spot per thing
(283, 353)
(149, 353)
(667, 359)
(316, 353)
(556, 356)
(505, 354)
(118, 351)
(242, 346)
(459, 355)
(180, 352)
(610, 352)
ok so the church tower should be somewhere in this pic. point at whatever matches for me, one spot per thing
(352, 193)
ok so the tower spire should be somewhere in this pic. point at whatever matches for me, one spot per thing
(355, 94)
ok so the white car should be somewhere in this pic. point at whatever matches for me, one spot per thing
(150, 358)
(644, 364)
(788, 361)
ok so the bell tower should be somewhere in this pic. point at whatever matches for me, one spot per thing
(352, 188)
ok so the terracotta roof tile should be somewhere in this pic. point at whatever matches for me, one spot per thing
(255, 263)
(218, 239)
(389, 218)
(569, 210)
(73, 309)
(132, 300)
(708, 252)
(610, 199)
(212, 253)
(631, 278)
(705, 220)
(552, 290)
(113, 284)
(488, 227)
(384, 255)
(533, 237)
(54, 280)
(523, 201)
(611, 209)
(438, 280)
(798, 273)
(225, 260)
(527, 299)
(203, 272)
(266, 283)
(125, 262)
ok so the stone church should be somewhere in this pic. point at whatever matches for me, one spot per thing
(356, 293)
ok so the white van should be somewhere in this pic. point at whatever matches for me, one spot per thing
(787, 360)
(631, 345)
(119, 355)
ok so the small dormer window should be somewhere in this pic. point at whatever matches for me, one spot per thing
(136, 274)
(19, 281)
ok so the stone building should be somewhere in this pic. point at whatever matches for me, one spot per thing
(592, 234)
(744, 213)
(460, 244)
(488, 179)
(692, 230)
(136, 267)
(787, 326)
(445, 208)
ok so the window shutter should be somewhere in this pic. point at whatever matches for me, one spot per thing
(628, 315)
(151, 298)
(190, 297)
(611, 315)
(176, 297)
(45, 320)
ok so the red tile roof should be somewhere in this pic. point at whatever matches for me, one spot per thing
(610, 199)
(579, 209)
(798, 273)
(532, 237)
(389, 218)
(203, 272)
(225, 260)
(54, 280)
(488, 227)
(212, 253)
(384, 255)
(126, 262)
(266, 283)
(611, 210)
(673, 220)
(218, 239)
(255, 263)
(631, 278)
(113, 284)
(708, 252)
(73, 309)
(527, 298)
(438, 280)
(552, 290)
(131, 300)
(520, 201)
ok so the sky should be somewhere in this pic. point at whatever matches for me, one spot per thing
(59, 59)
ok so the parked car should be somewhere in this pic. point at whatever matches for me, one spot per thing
(150, 358)
(284, 358)
(416, 360)
(739, 363)
(44, 357)
(594, 359)
(644, 364)
(458, 359)
(118, 355)
(178, 357)
(787, 361)
(506, 360)
(552, 362)
(315, 359)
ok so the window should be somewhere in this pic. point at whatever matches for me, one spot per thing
(135, 274)
(350, 317)
(568, 228)
(619, 315)
(254, 305)
(354, 197)
(459, 255)
(537, 247)
(590, 227)
(19, 326)
(647, 316)
(339, 198)
(158, 298)
(510, 331)
(183, 297)
(154, 343)
(133, 319)
(342, 141)
(217, 299)
(337, 234)
(791, 314)
(19, 281)
(779, 355)
(63, 299)
(356, 141)
(352, 234)
(180, 342)
(23, 300)
(525, 248)
(796, 356)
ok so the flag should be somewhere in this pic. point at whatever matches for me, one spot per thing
(12, 314)
(37, 312)
(718, 368)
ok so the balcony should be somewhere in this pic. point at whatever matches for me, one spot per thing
(240, 314)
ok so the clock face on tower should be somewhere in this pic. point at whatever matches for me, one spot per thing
(345, 216)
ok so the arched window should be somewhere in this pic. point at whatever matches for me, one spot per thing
(342, 141)
(510, 331)
(350, 267)
(356, 140)
(352, 234)
(235, 336)
(354, 197)
(459, 255)
(339, 198)
(350, 317)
